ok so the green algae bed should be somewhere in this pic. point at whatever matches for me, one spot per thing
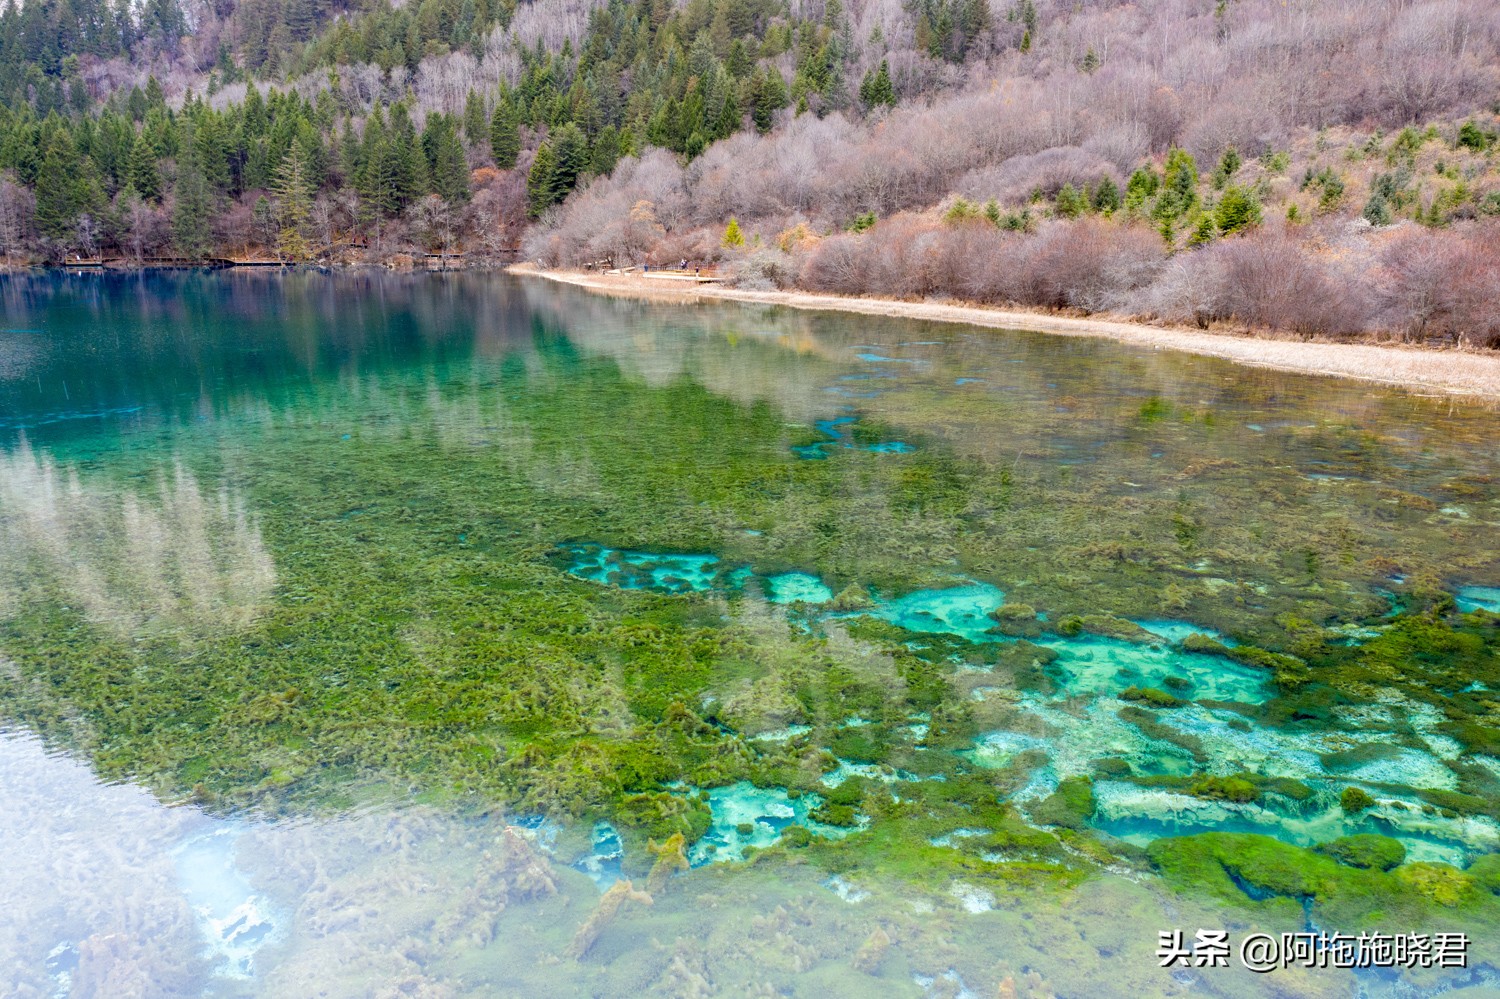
(897, 658)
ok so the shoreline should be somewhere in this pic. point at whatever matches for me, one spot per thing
(1420, 370)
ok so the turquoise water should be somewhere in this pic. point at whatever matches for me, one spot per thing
(954, 610)
(368, 630)
(1479, 598)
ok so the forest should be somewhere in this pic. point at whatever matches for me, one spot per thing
(1322, 167)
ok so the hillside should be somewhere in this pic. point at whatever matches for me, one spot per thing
(1319, 166)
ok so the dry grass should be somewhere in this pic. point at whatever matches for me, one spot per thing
(1418, 369)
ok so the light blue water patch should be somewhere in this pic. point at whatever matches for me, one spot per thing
(746, 816)
(957, 610)
(968, 381)
(839, 437)
(1473, 598)
(232, 917)
(1090, 665)
(881, 359)
(797, 587)
(1174, 630)
(831, 427)
(602, 864)
(642, 570)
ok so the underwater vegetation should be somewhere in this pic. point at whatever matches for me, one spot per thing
(569, 561)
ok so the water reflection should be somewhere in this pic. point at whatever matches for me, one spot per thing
(168, 556)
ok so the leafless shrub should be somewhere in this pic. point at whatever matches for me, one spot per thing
(1441, 286)
(1047, 171)
(1269, 280)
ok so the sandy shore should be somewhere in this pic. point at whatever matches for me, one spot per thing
(1422, 370)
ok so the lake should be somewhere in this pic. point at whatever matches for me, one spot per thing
(465, 635)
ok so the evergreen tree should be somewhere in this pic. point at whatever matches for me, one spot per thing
(1204, 231)
(768, 95)
(1179, 191)
(876, 89)
(1229, 165)
(56, 212)
(539, 182)
(1070, 203)
(476, 122)
(142, 170)
(194, 205)
(409, 165)
(1238, 209)
(1106, 197)
(733, 238)
(606, 151)
(294, 203)
(1141, 187)
(571, 148)
(447, 167)
(1377, 210)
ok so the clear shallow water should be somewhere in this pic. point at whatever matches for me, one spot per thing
(511, 584)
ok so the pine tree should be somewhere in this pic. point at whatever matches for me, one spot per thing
(294, 202)
(1179, 194)
(768, 95)
(876, 89)
(56, 213)
(142, 172)
(1204, 231)
(1238, 209)
(447, 167)
(733, 238)
(571, 147)
(1106, 197)
(1070, 203)
(409, 165)
(476, 122)
(539, 182)
(606, 151)
(1229, 165)
(190, 216)
(1377, 210)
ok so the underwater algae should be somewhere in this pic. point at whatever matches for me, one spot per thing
(499, 556)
